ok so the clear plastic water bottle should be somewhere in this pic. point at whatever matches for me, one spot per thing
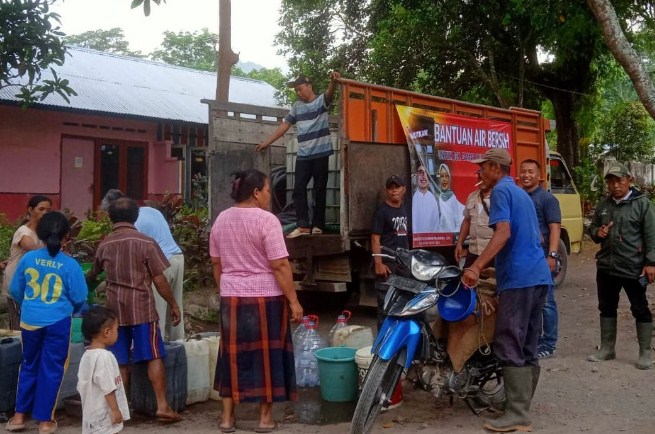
(342, 321)
(307, 362)
(297, 338)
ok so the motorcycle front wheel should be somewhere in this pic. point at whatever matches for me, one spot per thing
(378, 386)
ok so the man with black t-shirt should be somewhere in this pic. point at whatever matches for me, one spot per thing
(389, 229)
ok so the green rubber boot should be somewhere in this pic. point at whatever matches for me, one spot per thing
(607, 341)
(519, 389)
(644, 337)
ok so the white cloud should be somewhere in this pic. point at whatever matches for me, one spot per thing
(254, 23)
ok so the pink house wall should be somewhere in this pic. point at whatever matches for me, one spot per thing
(31, 153)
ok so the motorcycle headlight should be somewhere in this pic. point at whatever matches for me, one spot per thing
(424, 272)
(420, 302)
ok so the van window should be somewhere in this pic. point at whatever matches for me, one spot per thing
(560, 179)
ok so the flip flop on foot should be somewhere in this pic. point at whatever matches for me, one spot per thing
(50, 430)
(14, 427)
(169, 418)
(227, 429)
(261, 429)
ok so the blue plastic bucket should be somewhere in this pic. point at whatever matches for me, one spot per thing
(458, 306)
(338, 373)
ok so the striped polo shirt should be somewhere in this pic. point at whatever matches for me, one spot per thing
(130, 260)
(311, 120)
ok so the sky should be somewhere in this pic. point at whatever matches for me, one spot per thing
(254, 23)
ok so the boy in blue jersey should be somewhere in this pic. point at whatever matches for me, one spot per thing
(49, 286)
(310, 115)
(522, 277)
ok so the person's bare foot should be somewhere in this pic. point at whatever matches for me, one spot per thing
(168, 416)
(47, 427)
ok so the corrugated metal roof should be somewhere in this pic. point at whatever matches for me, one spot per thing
(123, 85)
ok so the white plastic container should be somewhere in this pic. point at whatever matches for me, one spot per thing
(353, 336)
(197, 358)
(363, 358)
(213, 341)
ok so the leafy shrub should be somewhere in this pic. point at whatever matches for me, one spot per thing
(190, 228)
(87, 234)
(7, 230)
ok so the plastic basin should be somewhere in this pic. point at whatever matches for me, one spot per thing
(338, 373)
(458, 306)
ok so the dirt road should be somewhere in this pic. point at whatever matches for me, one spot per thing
(573, 395)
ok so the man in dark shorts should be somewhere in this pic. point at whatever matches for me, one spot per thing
(133, 262)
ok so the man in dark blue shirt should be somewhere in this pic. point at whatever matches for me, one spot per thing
(549, 217)
(522, 277)
(389, 229)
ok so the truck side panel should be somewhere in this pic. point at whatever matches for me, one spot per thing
(368, 166)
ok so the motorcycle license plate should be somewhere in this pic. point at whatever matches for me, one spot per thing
(406, 284)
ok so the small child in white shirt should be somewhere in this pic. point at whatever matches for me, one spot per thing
(104, 403)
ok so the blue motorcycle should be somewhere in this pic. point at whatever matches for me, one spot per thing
(438, 333)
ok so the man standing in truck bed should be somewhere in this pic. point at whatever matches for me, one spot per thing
(310, 115)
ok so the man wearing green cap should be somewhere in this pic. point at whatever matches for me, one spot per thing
(624, 226)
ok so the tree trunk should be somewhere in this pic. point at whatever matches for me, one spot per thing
(623, 52)
(564, 104)
(226, 57)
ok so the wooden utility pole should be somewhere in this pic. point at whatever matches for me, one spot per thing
(226, 57)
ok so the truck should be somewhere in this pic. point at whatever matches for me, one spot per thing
(370, 144)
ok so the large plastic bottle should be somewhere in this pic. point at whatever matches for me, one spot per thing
(297, 339)
(311, 341)
(342, 321)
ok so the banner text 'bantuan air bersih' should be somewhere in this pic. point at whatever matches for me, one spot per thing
(441, 148)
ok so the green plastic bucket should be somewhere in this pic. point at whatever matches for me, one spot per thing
(338, 373)
(76, 332)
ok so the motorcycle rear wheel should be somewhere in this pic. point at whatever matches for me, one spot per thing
(378, 386)
(492, 390)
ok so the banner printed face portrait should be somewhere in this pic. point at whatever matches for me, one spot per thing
(441, 146)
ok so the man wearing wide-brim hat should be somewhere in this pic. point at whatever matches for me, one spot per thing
(522, 278)
(624, 226)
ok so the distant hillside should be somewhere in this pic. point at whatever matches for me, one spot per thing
(249, 66)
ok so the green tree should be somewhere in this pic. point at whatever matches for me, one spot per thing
(192, 50)
(109, 41)
(272, 76)
(627, 132)
(502, 52)
(30, 41)
(146, 5)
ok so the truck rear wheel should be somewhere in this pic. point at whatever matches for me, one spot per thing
(559, 278)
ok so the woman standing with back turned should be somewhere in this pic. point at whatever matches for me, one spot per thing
(254, 279)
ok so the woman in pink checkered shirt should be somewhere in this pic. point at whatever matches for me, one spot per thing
(253, 274)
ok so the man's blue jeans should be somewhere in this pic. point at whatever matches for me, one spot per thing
(548, 337)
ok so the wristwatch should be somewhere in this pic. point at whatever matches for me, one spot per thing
(554, 254)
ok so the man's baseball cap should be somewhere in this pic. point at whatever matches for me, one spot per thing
(617, 169)
(395, 179)
(495, 155)
(302, 79)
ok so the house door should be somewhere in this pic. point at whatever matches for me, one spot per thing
(77, 175)
(122, 166)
